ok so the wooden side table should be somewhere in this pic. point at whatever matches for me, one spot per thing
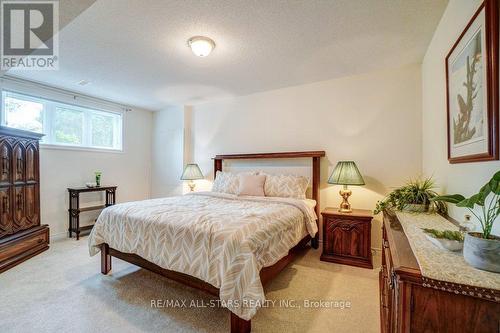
(347, 237)
(75, 210)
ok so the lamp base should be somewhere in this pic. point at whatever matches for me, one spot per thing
(345, 206)
(191, 185)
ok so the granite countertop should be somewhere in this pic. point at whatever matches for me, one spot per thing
(439, 264)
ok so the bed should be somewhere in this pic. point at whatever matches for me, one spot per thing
(226, 245)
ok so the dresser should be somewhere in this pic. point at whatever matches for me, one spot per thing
(410, 302)
(347, 237)
(21, 234)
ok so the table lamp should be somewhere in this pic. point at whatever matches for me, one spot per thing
(346, 173)
(192, 172)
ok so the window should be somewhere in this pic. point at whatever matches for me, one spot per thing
(63, 124)
(23, 113)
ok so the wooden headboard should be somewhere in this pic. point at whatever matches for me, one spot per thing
(315, 155)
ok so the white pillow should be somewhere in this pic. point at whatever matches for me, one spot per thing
(286, 186)
(227, 182)
(251, 185)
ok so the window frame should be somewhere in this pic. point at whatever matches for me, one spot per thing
(49, 109)
(29, 98)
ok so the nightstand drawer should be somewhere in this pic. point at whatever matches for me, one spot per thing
(346, 238)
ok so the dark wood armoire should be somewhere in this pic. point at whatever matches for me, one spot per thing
(21, 234)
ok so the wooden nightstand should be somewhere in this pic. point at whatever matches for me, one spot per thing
(347, 237)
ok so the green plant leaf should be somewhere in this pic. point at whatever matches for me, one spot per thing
(452, 198)
(494, 183)
(470, 202)
(446, 234)
(418, 191)
(483, 194)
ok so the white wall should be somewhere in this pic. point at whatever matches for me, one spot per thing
(168, 152)
(130, 170)
(464, 178)
(373, 119)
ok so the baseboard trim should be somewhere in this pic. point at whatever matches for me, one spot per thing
(64, 234)
(378, 250)
(58, 236)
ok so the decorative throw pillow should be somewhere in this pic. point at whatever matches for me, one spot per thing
(226, 182)
(286, 186)
(251, 185)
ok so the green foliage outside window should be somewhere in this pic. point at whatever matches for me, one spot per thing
(102, 130)
(68, 126)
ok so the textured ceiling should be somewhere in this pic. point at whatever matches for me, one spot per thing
(135, 51)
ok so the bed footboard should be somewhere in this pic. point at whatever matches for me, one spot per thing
(238, 325)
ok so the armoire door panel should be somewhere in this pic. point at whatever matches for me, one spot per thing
(19, 162)
(5, 162)
(19, 209)
(21, 233)
(5, 212)
(31, 163)
(31, 205)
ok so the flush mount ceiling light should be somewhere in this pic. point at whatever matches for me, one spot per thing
(201, 46)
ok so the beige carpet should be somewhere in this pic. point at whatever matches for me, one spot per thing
(62, 290)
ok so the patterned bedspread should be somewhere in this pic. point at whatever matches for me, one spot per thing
(221, 239)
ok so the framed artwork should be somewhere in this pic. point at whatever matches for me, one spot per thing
(472, 89)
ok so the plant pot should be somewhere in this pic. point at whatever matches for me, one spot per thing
(416, 208)
(482, 253)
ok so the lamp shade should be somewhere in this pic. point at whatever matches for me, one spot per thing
(346, 173)
(192, 172)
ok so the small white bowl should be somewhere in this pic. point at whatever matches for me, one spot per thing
(446, 244)
(91, 185)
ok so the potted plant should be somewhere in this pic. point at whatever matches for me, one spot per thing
(481, 250)
(415, 196)
(450, 240)
(98, 175)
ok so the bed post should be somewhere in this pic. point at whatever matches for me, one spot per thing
(217, 166)
(105, 259)
(315, 195)
(239, 325)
